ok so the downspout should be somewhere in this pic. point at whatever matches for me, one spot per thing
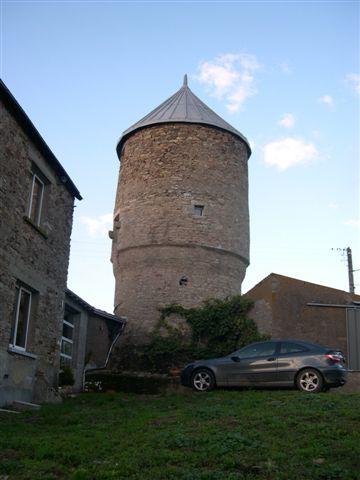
(104, 367)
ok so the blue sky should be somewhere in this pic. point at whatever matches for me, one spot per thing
(286, 74)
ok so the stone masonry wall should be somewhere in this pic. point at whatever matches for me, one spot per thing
(150, 279)
(157, 238)
(37, 258)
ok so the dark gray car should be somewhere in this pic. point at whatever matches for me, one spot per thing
(309, 367)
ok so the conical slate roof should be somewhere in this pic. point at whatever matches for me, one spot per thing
(183, 107)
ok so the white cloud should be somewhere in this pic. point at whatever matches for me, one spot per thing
(230, 77)
(287, 152)
(353, 222)
(333, 206)
(98, 226)
(287, 120)
(327, 99)
(285, 68)
(353, 79)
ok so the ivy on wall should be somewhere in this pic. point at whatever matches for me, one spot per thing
(214, 329)
(217, 327)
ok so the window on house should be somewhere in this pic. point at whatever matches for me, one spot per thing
(199, 210)
(36, 199)
(22, 319)
(67, 338)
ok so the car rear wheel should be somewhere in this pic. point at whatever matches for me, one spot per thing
(310, 381)
(203, 380)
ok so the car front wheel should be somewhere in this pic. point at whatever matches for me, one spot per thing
(310, 381)
(203, 380)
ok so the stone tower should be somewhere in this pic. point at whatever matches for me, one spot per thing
(181, 220)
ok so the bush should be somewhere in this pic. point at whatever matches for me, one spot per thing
(66, 376)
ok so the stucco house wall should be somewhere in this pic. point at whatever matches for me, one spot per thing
(93, 333)
(281, 310)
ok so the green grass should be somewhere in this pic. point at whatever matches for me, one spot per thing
(222, 435)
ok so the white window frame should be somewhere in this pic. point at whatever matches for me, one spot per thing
(13, 342)
(66, 339)
(36, 177)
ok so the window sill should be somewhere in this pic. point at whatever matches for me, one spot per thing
(23, 353)
(37, 227)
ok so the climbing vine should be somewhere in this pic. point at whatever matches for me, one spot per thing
(216, 328)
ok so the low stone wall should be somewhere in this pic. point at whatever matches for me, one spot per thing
(133, 382)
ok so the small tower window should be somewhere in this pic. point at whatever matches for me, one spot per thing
(199, 210)
(183, 281)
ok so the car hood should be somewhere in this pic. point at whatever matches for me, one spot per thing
(209, 361)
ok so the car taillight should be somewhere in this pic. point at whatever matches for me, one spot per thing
(334, 358)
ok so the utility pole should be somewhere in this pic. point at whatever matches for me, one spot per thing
(349, 266)
(350, 270)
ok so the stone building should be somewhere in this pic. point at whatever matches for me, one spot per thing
(181, 221)
(289, 308)
(36, 211)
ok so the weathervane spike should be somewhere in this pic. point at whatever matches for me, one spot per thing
(185, 80)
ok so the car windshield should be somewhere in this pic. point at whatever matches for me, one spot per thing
(256, 350)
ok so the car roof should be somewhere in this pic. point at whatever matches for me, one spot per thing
(303, 342)
(291, 340)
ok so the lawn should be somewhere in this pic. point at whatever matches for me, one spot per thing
(223, 435)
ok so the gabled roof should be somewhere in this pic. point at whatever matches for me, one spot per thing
(24, 121)
(183, 107)
(89, 308)
(299, 283)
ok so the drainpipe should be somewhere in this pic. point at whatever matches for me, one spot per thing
(104, 367)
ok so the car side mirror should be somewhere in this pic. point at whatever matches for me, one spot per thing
(235, 359)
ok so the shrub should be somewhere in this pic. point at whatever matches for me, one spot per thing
(66, 376)
(218, 327)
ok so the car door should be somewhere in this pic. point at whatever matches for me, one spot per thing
(255, 365)
(290, 360)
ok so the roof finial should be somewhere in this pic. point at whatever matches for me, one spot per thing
(185, 81)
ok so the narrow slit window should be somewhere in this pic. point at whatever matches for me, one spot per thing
(199, 210)
(36, 199)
